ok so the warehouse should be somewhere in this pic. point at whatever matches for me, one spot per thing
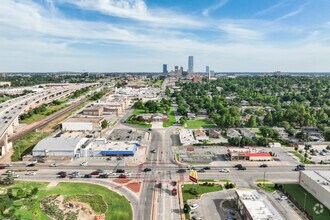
(59, 147)
(102, 147)
(93, 111)
(82, 124)
(318, 184)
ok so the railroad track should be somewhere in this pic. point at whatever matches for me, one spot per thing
(44, 121)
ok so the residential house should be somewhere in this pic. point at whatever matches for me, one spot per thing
(247, 132)
(233, 133)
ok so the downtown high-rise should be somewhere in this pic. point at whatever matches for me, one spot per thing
(190, 65)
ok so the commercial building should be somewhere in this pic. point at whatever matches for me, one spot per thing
(190, 65)
(200, 135)
(317, 183)
(187, 137)
(102, 147)
(251, 154)
(253, 207)
(59, 147)
(93, 111)
(165, 69)
(82, 124)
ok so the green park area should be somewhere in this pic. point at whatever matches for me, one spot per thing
(200, 123)
(34, 200)
(26, 144)
(313, 207)
(171, 117)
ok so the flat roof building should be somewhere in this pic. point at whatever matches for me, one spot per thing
(253, 207)
(317, 183)
(59, 147)
(82, 124)
(93, 110)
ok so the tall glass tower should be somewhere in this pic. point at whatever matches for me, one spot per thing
(165, 68)
(190, 64)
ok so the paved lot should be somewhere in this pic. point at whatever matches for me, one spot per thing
(126, 135)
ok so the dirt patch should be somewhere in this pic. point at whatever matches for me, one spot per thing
(55, 207)
(135, 187)
(118, 180)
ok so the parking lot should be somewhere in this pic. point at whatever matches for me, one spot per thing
(126, 135)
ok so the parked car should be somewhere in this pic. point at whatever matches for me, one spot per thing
(87, 176)
(100, 171)
(122, 176)
(30, 173)
(201, 171)
(53, 165)
(31, 165)
(153, 151)
(263, 165)
(207, 168)
(146, 170)
(61, 172)
(238, 165)
(282, 197)
(194, 206)
(84, 164)
(225, 170)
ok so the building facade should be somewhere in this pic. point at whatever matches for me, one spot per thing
(190, 65)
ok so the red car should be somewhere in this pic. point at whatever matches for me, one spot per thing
(122, 176)
(95, 173)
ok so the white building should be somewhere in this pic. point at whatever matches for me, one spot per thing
(82, 124)
(59, 147)
(187, 137)
(317, 183)
(254, 207)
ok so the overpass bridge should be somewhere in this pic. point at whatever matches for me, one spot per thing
(12, 109)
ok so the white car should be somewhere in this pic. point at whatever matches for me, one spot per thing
(14, 175)
(283, 197)
(53, 165)
(84, 164)
(30, 173)
(194, 206)
(225, 170)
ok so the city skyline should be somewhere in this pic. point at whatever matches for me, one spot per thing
(140, 36)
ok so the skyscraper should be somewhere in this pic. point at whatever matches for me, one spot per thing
(190, 65)
(165, 68)
(207, 70)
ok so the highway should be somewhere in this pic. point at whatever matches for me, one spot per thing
(11, 109)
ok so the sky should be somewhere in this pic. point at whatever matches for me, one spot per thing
(142, 35)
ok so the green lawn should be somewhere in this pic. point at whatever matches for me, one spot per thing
(297, 193)
(199, 188)
(198, 123)
(261, 180)
(172, 119)
(118, 207)
(138, 111)
(3, 99)
(301, 157)
(270, 187)
(26, 144)
(139, 124)
(50, 110)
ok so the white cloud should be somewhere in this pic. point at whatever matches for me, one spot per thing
(214, 7)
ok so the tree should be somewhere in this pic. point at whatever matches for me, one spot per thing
(6, 181)
(138, 104)
(252, 122)
(104, 124)
(183, 120)
(268, 120)
(327, 135)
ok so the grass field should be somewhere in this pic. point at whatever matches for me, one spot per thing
(199, 188)
(198, 123)
(138, 111)
(172, 119)
(139, 124)
(269, 187)
(118, 207)
(3, 99)
(26, 144)
(297, 192)
(301, 157)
